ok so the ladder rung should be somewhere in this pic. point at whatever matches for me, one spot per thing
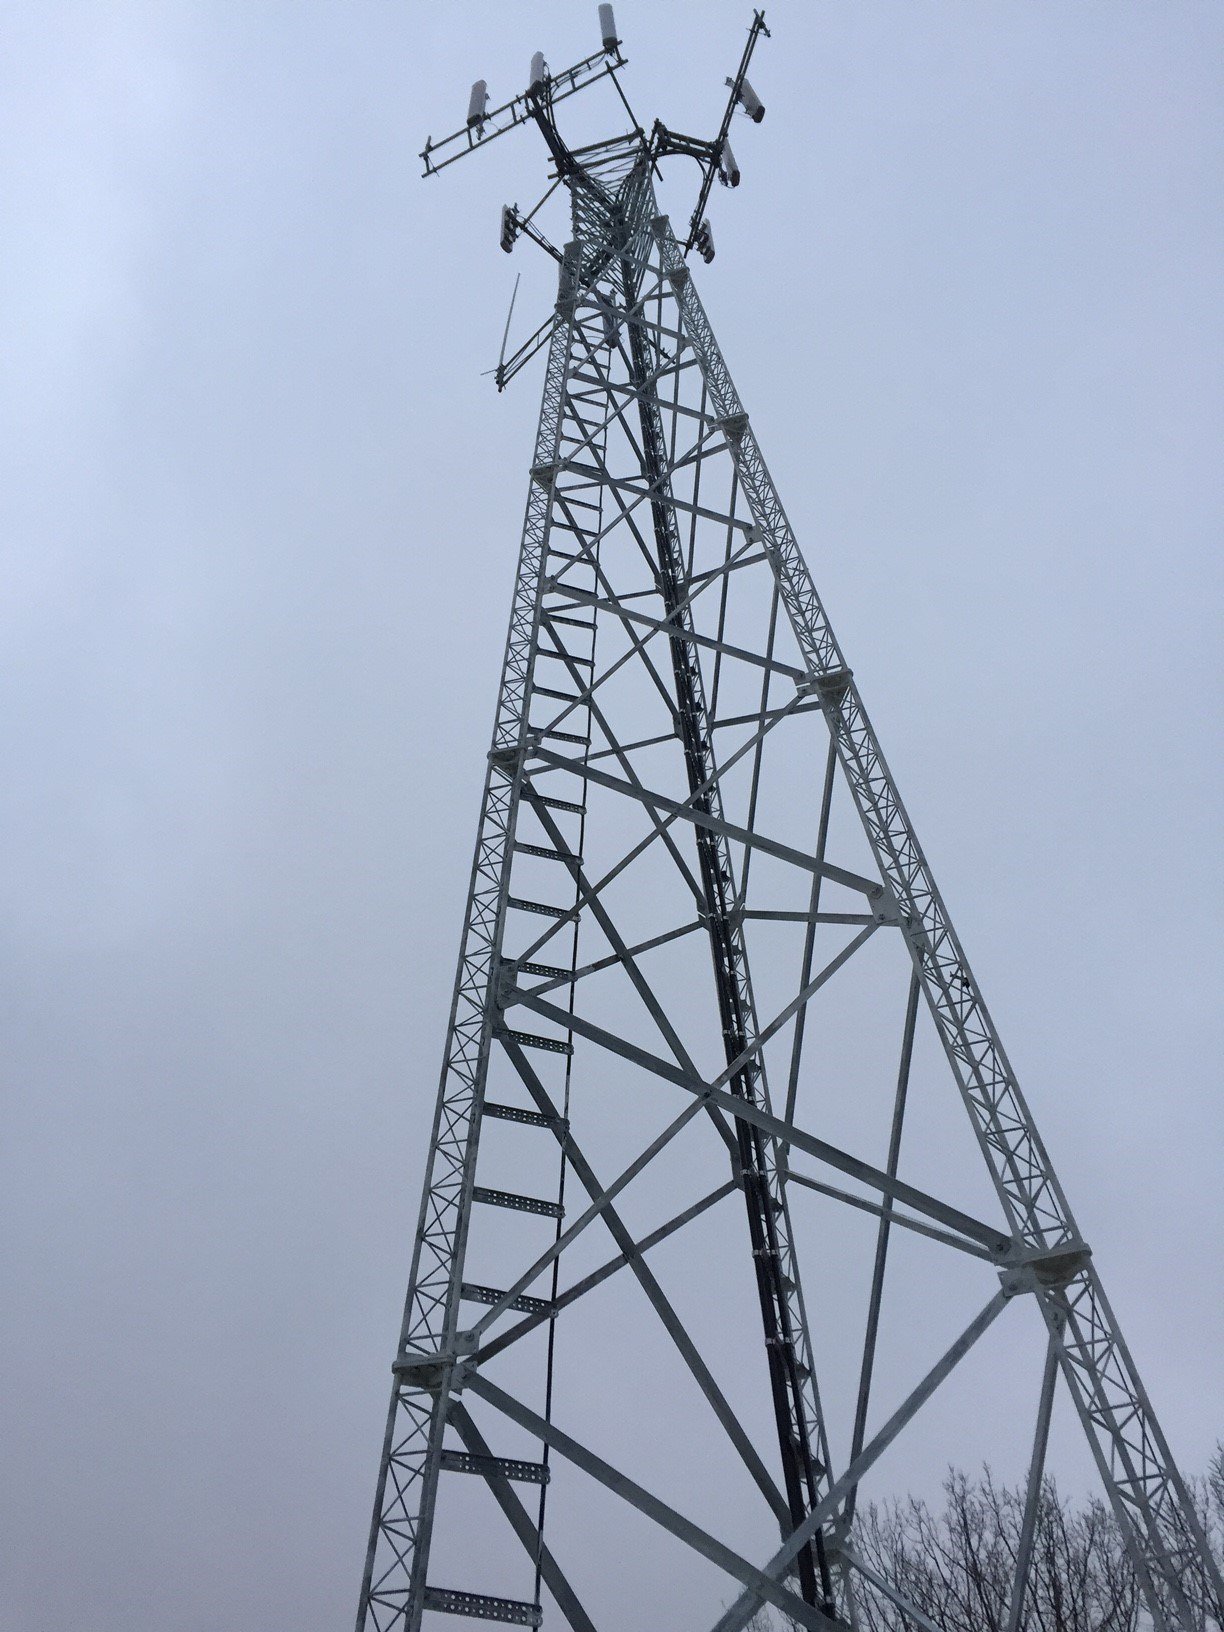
(516, 1113)
(562, 657)
(526, 1305)
(551, 1045)
(547, 971)
(562, 804)
(480, 1607)
(574, 623)
(541, 907)
(544, 852)
(560, 696)
(573, 555)
(518, 1204)
(527, 1473)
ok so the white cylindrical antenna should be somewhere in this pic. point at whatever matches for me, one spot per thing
(539, 71)
(751, 102)
(728, 170)
(478, 104)
(607, 28)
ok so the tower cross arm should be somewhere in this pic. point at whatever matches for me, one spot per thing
(716, 146)
(665, 144)
(518, 110)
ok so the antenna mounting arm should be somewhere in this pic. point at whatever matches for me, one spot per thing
(525, 225)
(716, 146)
(519, 109)
(665, 144)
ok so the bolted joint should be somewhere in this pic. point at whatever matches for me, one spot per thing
(1045, 1269)
(884, 906)
(733, 916)
(829, 688)
(423, 1371)
(430, 1373)
(835, 1536)
(733, 428)
(660, 226)
(506, 986)
(508, 757)
(544, 475)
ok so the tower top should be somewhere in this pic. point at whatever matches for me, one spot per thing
(601, 169)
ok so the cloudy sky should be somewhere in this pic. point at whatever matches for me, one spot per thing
(260, 517)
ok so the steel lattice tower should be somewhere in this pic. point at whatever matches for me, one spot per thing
(679, 750)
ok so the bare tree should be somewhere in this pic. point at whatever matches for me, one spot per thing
(1214, 1498)
(956, 1566)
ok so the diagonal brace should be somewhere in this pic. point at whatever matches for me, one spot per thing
(588, 1283)
(759, 1583)
(520, 1521)
(654, 1292)
(930, 1206)
(744, 1608)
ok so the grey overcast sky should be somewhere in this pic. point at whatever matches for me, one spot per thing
(260, 519)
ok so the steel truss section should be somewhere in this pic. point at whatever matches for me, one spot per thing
(1148, 1495)
(394, 1586)
(666, 663)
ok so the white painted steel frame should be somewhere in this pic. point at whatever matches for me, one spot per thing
(627, 303)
